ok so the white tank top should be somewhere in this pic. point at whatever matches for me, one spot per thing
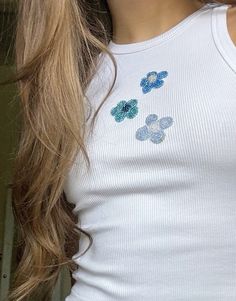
(160, 198)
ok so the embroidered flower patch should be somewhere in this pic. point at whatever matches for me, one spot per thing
(124, 109)
(153, 80)
(154, 128)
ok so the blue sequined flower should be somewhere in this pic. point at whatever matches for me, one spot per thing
(153, 80)
(124, 109)
(154, 128)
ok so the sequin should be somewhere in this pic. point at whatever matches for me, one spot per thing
(153, 80)
(154, 128)
(124, 109)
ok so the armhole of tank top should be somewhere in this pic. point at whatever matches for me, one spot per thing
(221, 36)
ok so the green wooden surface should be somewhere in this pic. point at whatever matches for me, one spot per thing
(8, 111)
(7, 249)
(62, 288)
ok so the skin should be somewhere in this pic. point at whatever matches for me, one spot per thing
(139, 20)
(231, 22)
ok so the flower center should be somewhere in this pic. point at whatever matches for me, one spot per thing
(154, 127)
(126, 107)
(152, 78)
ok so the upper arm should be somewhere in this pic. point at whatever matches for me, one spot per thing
(231, 23)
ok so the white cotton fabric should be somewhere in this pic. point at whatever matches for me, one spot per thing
(162, 215)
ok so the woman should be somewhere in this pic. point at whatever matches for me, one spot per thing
(152, 182)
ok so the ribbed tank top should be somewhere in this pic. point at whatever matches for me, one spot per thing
(159, 199)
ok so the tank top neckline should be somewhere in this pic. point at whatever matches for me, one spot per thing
(156, 40)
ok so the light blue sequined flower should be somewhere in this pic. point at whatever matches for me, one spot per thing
(153, 80)
(124, 109)
(154, 128)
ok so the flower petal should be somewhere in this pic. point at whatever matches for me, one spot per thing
(157, 137)
(114, 111)
(121, 104)
(142, 133)
(144, 82)
(132, 102)
(158, 83)
(162, 74)
(165, 122)
(120, 116)
(151, 118)
(146, 89)
(132, 112)
(152, 73)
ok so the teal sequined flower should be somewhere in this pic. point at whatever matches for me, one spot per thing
(124, 109)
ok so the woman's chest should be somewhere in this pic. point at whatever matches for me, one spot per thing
(161, 116)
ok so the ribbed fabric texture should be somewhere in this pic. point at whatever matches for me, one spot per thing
(162, 215)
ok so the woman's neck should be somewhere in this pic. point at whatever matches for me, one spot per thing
(139, 20)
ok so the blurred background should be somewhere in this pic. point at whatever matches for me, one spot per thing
(9, 133)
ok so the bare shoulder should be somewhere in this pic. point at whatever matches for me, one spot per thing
(231, 22)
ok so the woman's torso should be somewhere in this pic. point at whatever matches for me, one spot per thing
(162, 215)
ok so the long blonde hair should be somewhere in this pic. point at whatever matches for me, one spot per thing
(57, 48)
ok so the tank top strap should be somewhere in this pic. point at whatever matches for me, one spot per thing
(221, 36)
